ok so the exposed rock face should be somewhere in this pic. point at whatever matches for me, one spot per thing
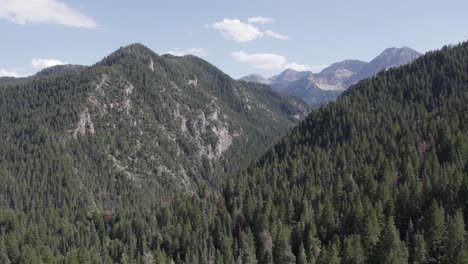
(151, 65)
(193, 82)
(332, 77)
(307, 89)
(84, 125)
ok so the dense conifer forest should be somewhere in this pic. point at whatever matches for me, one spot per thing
(379, 176)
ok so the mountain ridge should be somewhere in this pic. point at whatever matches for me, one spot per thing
(340, 75)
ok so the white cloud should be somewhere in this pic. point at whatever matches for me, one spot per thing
(275, 35)
(261, 60)
(40, 64)
(297, 67)
(5, 73)
(44, 11)
(260, 20)
(234, 29)
(193, 51)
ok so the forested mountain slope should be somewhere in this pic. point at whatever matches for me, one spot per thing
(135, 127)
(179, 118)
(379, 176)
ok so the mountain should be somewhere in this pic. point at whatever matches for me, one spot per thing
(161, 121)
(389, 58)
(134, 129)
(284, 78)
(344, 68)
(255, 78)
(315, 89)
(337, 77)
(332, 77)
(307, 89)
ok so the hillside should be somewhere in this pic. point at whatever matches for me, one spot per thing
(379, 176)
(134, 129)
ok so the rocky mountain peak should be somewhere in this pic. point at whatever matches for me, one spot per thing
(255, 78)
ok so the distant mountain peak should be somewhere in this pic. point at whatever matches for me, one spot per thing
(290, 71)
(352, 66)
(395, 51)
(255, 78)
(285, 77)
(256, 75)
(389, 58)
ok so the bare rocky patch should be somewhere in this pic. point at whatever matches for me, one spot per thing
(84, 125)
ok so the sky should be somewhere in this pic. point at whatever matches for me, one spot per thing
(239, 37)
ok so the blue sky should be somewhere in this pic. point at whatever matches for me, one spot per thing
(240, 37)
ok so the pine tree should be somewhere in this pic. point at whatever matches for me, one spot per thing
(353, 250)
(390, 249)
(371, 230)
(12, 247)
(248, 248)
(435, 231)
(3, 253)
(301, 257)
(329, 255)
(456, 251)
(219, 257)
(419, 250)
(282, 249)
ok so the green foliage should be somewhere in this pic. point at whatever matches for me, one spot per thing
(379, 176)
(353, 250)
(390, 248)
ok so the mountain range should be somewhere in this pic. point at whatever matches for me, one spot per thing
(327, 85)
(147, 158)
